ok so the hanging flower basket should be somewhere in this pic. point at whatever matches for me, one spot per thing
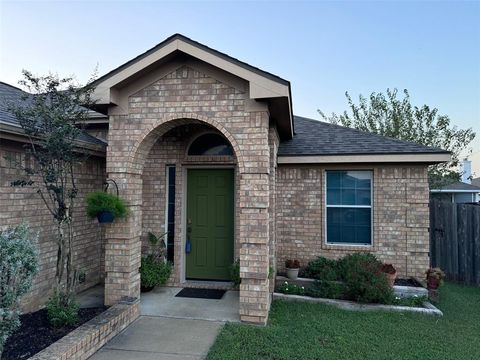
(105, 217)
(105, 207)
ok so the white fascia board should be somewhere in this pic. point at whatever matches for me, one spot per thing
(371, 158)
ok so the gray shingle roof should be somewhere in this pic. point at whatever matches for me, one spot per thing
(461, 186)
(313, 137)
(9, 93)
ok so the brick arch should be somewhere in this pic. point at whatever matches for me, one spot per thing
(141, 148)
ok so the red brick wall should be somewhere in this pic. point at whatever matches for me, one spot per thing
(23, 204)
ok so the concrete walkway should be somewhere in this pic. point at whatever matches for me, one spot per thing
(172, 328)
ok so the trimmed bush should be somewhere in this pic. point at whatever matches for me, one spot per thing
(18, 266)
(356, 277)
(364, 279)
(322, 269)
(62, 310)
(154, 271)
(327, 289)
(101, 201)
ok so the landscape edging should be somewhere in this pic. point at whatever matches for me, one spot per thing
(429, 308)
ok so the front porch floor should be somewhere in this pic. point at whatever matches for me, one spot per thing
(169, 327)
(162, 302)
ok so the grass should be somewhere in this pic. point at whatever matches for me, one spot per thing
(317, 331)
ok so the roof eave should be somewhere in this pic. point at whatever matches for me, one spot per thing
(15, 133)
(471, 191)
(424, 158)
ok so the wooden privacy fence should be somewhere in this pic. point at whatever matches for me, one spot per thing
(455, 240)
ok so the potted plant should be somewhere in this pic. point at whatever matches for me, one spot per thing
(155, 270)
(105, 207)
(292, 268)
(391, 273)
(434, 277)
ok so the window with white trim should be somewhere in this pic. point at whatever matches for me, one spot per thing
(349, 207)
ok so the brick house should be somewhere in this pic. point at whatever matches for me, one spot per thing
(206, 148)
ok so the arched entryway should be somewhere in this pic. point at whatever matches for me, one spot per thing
(248, 206)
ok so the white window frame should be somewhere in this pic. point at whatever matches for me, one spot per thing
(349, 206)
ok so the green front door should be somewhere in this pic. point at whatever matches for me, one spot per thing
(209, 223)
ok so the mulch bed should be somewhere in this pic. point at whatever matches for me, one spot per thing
(408, 282)
(35, 333)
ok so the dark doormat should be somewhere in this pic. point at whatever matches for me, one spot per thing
(201, 293)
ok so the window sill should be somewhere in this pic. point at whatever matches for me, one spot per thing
(348, 247)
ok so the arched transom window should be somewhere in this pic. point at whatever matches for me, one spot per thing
(210, 145)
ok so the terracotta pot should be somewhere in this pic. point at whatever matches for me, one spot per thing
(433, 283)
(292, 273)
(391, 279)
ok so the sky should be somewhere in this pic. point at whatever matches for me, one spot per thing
(323, 48)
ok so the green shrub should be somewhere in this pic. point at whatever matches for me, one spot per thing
(292, 289)
(235, 273)
(62, 310)
(18, 266)
(154, 271)
(322, 269)
(327, 289)
(101, 201)
(364, 279)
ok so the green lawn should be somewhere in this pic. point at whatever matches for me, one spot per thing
(311, 331)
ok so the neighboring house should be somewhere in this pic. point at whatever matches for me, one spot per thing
(465, 191)
(206, 148)
(458, 192)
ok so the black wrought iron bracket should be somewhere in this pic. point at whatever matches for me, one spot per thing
(106, 183)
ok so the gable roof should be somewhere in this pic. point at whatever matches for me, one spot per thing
(262, 85)
(9, 122)
(188, 40)
(458, 187)
(476, 181)
(315, 138)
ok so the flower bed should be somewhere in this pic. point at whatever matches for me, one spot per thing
(83, 341)
(337, 290)
(36, 333)
(401, 291)
(355, 279)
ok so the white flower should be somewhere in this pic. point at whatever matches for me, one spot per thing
(303, 288)
(397, 297)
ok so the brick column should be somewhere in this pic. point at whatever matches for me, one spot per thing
(123, 245)
(254, 248)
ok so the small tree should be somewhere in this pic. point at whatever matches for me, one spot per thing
(51, 116)
(395, 117)
(18, 265)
